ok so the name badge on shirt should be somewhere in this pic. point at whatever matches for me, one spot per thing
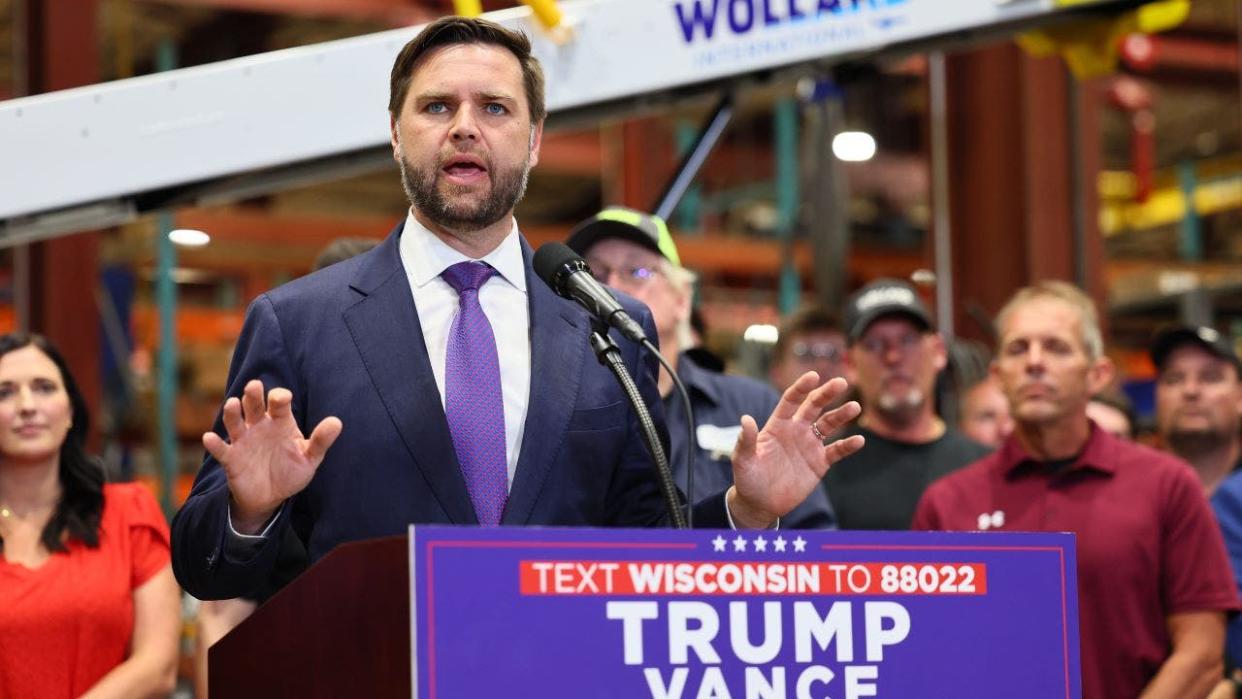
(718, 441)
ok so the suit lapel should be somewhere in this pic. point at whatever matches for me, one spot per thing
(385, 328)
(558, 344)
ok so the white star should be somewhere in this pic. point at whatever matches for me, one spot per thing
(761, 544)
(799, 544)
(739, 544)
(718, 544)
(779, 544)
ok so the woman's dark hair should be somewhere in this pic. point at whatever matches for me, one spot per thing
(80, 509)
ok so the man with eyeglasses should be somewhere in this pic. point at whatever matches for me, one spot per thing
(810, 340)
(633, 252)
(895, 354)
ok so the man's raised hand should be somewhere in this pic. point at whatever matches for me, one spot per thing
(266, 458)
(776, 468)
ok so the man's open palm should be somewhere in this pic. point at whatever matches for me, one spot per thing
(266, 458)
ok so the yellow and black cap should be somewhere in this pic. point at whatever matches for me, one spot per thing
(647, 230)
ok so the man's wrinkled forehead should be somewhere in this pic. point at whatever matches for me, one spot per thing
(818, 335)
(1037, 317)
(467, 52)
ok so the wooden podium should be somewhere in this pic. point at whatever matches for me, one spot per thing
(341, 629)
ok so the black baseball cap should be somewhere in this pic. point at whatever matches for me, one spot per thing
(1172, 337)
(647, 230)
(884, 297)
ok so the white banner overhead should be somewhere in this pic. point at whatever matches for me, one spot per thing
(106, 145)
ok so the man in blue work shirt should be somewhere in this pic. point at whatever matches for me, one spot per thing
(1199, 418)
(634, 252)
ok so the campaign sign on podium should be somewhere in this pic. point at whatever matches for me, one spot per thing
(745, 615)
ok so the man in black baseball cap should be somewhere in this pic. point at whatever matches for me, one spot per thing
(885, 297)
(633, 251)
(1198, 417)
(895, 355)
(1199, 399)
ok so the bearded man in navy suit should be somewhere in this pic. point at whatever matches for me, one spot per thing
(524, 427)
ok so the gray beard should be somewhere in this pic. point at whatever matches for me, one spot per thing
(508, 188)
(900, 410)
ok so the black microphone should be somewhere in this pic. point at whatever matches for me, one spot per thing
(569, 276)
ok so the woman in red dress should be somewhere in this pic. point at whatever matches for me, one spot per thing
(88, 603)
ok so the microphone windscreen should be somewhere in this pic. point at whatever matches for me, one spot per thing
(550, 259)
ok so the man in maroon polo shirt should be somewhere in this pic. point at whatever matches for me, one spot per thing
(1154, 584)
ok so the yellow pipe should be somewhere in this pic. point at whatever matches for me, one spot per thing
(468, 8)
(1165, 206)
(546, 11)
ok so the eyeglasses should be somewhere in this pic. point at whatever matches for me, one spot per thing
(809, 352)
(629, 275)
(880, 346)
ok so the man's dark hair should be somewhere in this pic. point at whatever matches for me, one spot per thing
(808, 319)
(1117, 399)
(453, 31)
(342, 249)
(80, 509)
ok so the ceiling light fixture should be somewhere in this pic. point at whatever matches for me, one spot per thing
(189, 237)
(853, 146)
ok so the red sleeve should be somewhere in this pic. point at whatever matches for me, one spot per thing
(927, 514)
(148, 535)
(1195, 573)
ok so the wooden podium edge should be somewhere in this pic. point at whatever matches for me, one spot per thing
(342, 628)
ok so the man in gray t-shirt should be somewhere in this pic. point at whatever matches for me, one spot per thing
(896, 354)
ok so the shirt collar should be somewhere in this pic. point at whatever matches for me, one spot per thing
(1099, 454)
(696, 378)
(425, 256)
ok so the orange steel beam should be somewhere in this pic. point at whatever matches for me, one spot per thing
(256, 226)
(248, 240)
(572, 152)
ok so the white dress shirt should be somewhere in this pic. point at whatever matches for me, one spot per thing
(504, 300)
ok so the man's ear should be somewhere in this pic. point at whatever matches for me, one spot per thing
(395, 136)
(1101, 374)
(940, 352)
(1237, 386)
(847, 369)
(851, 363)
(536, 140)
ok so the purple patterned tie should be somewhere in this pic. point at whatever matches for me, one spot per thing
(473, 402)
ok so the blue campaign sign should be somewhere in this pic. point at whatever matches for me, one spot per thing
(696, 614)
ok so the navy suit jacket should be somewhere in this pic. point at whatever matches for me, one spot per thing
(347, 342)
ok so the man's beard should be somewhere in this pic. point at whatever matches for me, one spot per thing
(508, 187)
(1191, 444)
(901, 409)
